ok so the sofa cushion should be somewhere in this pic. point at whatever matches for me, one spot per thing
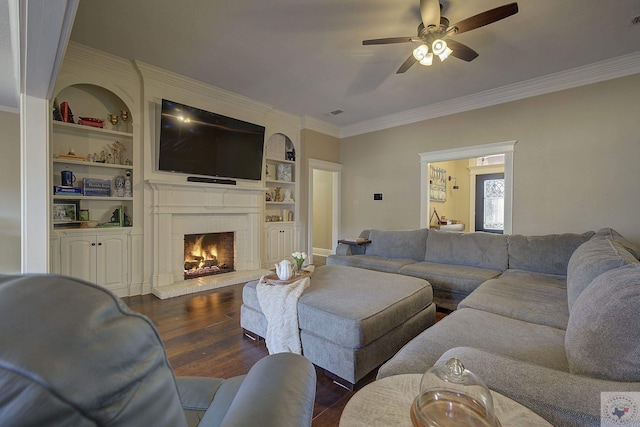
(453, 278)
(525, 295)
(484, 250)
(370, 262)
(398, 244)
(590, 260)
(514, 338)
(544, 254)
(602, 335)
(613, 235)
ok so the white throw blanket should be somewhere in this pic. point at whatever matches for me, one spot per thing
(279, 304)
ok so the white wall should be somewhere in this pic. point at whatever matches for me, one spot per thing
(9, 193)
(576, 161)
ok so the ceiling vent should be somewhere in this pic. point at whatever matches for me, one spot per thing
(336, 112)
(635, 20)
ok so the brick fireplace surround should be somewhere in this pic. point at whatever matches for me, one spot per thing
(179, 208)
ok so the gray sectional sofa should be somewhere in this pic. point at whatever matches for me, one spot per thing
(457, 263)
(549, 321)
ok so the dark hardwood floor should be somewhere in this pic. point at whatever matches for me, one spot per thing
(202, 336)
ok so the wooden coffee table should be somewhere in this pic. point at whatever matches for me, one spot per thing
(387, 402)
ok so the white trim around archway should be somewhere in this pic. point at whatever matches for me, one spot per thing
(506, 148)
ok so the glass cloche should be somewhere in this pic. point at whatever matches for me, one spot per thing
(451, 395)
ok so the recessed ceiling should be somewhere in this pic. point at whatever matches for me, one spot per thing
(306, 57)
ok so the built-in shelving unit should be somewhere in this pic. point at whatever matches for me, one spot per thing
(280, 198)
(85, 142)
(91, 232)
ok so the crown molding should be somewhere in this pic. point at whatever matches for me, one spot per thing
(154, 74)
(308, 122)
(600, 71)
(87, 57)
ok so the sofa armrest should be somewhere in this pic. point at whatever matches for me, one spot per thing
(346, 249)
(560, 397)
(278, 391)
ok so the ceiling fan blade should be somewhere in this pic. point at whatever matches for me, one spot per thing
(407, 64)
(486, 18)
(388, 40)
(430, 12)
(462, 51)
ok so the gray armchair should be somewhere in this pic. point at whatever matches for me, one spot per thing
(73, 354)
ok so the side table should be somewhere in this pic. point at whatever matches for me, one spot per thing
(354, 242)
(387, 402)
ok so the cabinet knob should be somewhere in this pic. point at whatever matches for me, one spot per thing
(93, 244)
(100, 244)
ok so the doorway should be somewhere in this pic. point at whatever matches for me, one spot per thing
(506, 148)
(324, 208)
(489, 212)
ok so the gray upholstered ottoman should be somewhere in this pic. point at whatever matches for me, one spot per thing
(351, 319)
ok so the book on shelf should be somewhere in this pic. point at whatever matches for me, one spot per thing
(89, 121)
(96, 187)
(61, 190)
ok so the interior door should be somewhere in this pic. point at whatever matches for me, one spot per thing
(490, 203)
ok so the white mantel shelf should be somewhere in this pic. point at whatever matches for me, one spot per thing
(167, 185)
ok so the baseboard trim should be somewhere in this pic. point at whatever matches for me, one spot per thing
(322, 252)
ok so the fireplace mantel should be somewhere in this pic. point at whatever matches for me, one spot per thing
(179, 208)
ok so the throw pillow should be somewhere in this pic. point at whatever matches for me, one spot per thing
(602, 334)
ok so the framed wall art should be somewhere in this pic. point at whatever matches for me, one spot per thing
(437, 184)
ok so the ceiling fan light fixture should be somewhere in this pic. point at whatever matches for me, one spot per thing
(444, 55)
(421, 52)
(427, 60)
(439, 47)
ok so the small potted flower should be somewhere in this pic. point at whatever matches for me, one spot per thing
(298, 258)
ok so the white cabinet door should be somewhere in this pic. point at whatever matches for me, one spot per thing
(286, 242)
(78, 257)
(279, 244)
(102, 260)
(272, 243)
(111, 261)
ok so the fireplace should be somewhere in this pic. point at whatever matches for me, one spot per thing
(209, 253)
(184, 208)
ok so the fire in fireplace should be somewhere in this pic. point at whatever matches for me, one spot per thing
(207, 254)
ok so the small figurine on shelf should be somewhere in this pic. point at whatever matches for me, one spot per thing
(124, 115)
(128, 185)
(119, 184)
(113, 118)
(57, 115)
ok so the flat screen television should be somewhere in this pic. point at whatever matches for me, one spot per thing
(198, 142)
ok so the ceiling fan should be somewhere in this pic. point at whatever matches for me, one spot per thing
(434, 32)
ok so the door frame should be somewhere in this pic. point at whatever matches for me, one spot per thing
(336, 172)
(507, 148)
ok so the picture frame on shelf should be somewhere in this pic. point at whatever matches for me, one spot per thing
(284, 172)
(65, 211)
